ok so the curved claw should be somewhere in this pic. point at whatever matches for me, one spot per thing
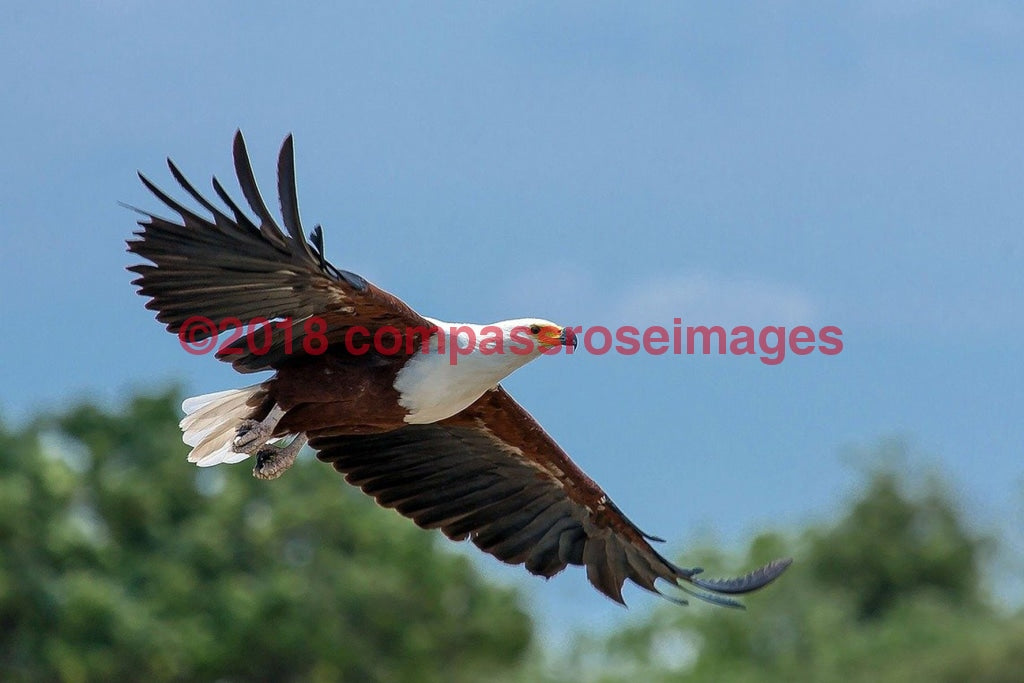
(747, 583)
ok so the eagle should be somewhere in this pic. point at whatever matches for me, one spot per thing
(431, 434)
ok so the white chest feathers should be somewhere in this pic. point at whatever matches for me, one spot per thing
(436, 385)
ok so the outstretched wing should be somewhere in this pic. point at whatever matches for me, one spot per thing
(228, 267)
(491, 474)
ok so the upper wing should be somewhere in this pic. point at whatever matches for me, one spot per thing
(493, 475)
(228, 267)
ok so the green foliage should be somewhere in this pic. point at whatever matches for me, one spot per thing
(890, 592)
(890, 546)
(120, 561)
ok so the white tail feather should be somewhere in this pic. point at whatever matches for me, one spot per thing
(211, 422)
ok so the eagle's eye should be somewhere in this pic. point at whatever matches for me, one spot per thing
(534, 329)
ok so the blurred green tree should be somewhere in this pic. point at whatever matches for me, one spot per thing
(892, 591)
(120, 561)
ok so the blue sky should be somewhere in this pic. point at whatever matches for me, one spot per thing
(592, 163)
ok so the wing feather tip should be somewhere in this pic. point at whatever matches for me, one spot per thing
(748, 583)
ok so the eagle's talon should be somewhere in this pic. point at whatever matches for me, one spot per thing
(252, 435)
(273, 461)
(247, 433)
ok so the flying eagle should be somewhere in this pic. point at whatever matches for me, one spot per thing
(434, 437)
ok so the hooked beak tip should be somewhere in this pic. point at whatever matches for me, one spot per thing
(568, 337)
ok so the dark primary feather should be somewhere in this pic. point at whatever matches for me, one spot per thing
(490, 474)
(746, 583)
(228, 266)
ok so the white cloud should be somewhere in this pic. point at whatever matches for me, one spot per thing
(563, 291)
(708, 298)
(569, 292)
